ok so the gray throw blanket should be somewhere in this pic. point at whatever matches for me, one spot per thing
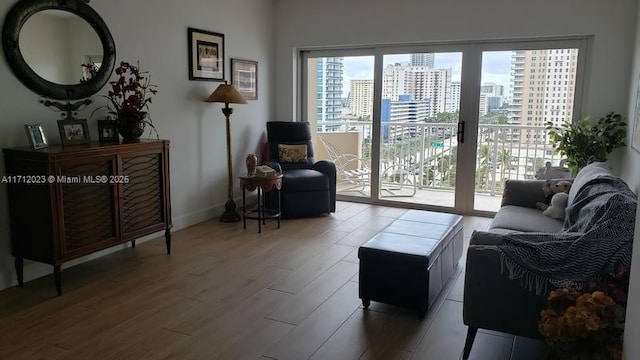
(597, 238)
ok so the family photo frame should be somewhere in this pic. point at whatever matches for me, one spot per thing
(206, 55)
(108, 131)
(244, 76)
(35, 133)
(74, 131)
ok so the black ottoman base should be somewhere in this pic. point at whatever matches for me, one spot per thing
(409, 262)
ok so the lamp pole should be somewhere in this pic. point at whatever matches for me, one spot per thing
(230, 214)
(227, 94)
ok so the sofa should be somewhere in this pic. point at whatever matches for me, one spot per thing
(511, 267)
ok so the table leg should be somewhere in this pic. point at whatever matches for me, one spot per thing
(244, 208)
(264, 208)
(260, 210)
(279, 209)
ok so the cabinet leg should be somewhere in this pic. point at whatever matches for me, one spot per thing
(19, 263)
(167, 240)
(133, 243)
(57, 276)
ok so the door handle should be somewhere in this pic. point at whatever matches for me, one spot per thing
(460, 132)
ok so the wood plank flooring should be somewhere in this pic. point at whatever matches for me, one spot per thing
(229, 293)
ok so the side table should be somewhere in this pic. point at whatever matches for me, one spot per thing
(262, 184)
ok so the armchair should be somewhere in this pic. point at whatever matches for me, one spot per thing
(308, 187)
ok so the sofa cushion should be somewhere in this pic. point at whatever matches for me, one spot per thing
(525, 219)
(586, 174)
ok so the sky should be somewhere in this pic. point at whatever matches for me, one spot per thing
(496, 66)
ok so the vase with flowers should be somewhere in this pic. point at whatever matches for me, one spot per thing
(129, 99)
(587, 324)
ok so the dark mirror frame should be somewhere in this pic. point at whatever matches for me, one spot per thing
(15, 19)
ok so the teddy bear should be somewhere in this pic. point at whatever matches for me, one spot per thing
(559, 196)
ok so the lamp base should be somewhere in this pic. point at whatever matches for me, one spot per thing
(230, 214)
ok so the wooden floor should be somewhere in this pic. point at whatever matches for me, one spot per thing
(229, 293)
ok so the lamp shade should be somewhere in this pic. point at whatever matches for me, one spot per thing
(227, 94)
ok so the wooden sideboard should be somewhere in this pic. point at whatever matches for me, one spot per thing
(70, 201)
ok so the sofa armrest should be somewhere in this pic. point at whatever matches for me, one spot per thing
(486, 238)
(492, 301)
(524, 193)
(329, 168)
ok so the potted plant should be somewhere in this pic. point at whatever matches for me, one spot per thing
(582, 143)
(129, 100)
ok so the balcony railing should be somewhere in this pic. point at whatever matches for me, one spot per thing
(429, 150)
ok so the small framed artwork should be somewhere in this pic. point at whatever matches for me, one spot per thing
(35, 133)
(206, 55)
(74, 131)
(108, 131)
(244, 76)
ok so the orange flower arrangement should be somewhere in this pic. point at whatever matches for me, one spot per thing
(587, 324)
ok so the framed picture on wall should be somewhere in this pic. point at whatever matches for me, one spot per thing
(74, 131)
(35, 133)
(206, 55)
(244, 76)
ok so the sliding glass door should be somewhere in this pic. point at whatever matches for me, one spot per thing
(438, 126)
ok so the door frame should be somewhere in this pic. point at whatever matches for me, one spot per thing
(471, 77)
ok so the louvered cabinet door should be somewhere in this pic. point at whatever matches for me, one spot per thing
(86, 203)
(143, 194)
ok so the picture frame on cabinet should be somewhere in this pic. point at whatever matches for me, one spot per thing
(74, 131)
(108, 131)
(206, 55)
(36, 136)
(244, 76)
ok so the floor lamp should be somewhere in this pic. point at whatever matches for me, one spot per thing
(228, 94)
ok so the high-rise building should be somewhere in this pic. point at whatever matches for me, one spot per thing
(425, 59)
(484, 106)
(419, 81)
(492, 89)
(493, 97)
(405, 109)
(330, 72)
(361, 97)
(543, 88)
(454, 104)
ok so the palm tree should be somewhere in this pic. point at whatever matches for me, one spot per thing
(506, 162)
(484, 163)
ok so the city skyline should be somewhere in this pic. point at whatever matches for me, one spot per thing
(496, 67)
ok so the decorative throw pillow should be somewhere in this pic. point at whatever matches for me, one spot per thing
(292, 154)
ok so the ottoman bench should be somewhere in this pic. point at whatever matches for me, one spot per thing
(409, 262)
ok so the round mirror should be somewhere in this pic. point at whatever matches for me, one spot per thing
(56, 44)
(59, 49)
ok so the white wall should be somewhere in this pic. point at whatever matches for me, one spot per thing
(155, 33)
(630, 171)
(304, 23)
